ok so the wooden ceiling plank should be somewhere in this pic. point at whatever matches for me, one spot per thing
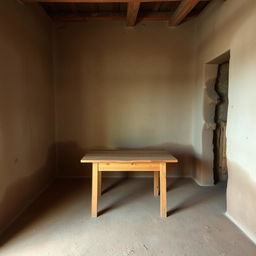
(95, 16)
(156, 6)
(182, 11)
(132, 13)
(73, 8)
(101, 1)
(95, 7)
(112, 16)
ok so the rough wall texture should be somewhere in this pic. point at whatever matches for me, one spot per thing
(221, 109)
(221, 88)
(119, 87)
(26, 106)
(230, 25)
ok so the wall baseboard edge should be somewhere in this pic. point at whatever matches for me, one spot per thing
(248, 233)
(200, 184)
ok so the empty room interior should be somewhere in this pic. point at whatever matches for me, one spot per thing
(127, 127)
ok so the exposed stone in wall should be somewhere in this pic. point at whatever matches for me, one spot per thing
(219, 139)
(221, 88)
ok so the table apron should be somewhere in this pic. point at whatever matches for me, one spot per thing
(131, 166)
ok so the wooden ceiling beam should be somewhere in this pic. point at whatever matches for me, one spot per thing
(184, 8)
(100, 1)
(112, 16)
(73, 8)
(94, 16)
(156, 6)
(132, 13)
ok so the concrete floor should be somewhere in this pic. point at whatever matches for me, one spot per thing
(59, 224)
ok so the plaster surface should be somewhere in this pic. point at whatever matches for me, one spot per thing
(224, 26)
(27, 154)
(118, 87)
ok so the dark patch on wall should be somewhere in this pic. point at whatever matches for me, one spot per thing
(219, 137)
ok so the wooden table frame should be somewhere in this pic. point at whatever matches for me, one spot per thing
(158, 167)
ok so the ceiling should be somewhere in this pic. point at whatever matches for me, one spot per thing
(133, 12)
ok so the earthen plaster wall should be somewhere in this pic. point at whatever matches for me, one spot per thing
(120, 87)
(27, 155)
(224, 26)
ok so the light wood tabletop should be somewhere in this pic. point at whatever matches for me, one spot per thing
(129, 160)
(129, 156)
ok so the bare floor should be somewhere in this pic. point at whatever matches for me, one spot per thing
(59, 223)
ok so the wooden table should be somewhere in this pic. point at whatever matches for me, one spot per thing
(129, 160)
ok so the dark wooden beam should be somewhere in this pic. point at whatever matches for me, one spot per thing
(132, 12)
(113, 16)
(73, 8)
(156, 6)
(92, 16)
(95, 7)
(100, 1)
(182, 11)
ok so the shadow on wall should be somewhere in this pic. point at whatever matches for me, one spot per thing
(23, 190)
(69, 155)
(205, 162)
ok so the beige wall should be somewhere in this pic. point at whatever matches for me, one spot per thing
(230, 25)
(120, 87)
(26, 106)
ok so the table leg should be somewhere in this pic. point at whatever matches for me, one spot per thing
(163, 202)
(95, 181)
(99, 182)
(156, 183)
